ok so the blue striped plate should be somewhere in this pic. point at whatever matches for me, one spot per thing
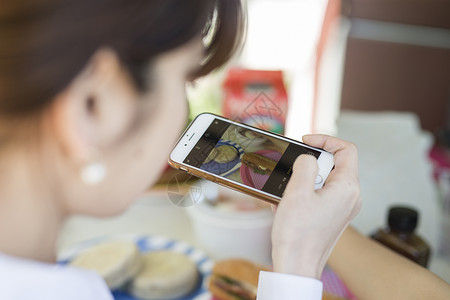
(152, 243)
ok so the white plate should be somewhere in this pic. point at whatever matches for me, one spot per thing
(153, 243)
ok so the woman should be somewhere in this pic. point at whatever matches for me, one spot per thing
(92, 98)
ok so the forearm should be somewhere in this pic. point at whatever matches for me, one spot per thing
(372, 271)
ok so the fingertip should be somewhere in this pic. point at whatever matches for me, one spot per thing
(307, 136)
(274, 208)
(306, 163)
(304, 172)
(305, 160)
(315, 140)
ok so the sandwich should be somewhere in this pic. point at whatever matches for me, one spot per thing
(259, 163)
(328, 296)
(235, 279)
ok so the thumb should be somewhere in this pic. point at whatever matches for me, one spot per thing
(303, 174)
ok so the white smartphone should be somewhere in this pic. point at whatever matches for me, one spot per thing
(242, 157)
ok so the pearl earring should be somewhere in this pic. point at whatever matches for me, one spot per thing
(93, 173)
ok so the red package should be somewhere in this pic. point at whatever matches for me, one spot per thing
(256, 97)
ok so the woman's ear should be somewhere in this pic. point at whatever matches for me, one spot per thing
(96, 109)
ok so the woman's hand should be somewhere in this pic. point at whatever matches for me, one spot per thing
(308, 222)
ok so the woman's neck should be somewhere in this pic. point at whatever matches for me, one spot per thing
(29, 217)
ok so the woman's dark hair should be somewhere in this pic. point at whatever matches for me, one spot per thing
(44, 44)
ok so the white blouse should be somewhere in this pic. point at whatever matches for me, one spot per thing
(22, 279)
(272, 286)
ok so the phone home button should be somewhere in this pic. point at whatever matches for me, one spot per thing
(318, 180)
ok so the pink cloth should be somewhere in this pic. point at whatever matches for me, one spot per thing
(334, 285)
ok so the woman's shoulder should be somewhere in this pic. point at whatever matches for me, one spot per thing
(28, 279)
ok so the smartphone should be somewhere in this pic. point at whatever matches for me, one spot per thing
(242, 157)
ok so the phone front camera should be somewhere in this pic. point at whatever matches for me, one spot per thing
(185, 144)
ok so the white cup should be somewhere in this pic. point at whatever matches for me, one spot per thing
(233, 233)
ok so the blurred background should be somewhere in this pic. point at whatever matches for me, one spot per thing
(374, 72)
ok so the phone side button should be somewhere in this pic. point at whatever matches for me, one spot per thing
(210, 178)
(318, 180)
(183, 169)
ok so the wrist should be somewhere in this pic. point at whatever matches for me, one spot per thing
(300, 264)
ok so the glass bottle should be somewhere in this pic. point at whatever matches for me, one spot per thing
(400, 236)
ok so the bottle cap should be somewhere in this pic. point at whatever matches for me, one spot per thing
(402, 219)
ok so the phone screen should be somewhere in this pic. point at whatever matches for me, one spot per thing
(246, 156)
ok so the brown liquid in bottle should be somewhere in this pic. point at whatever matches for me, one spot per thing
(400, 236)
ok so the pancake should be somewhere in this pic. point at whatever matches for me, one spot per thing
(226, 154)
(165, 275)
(116, 262)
